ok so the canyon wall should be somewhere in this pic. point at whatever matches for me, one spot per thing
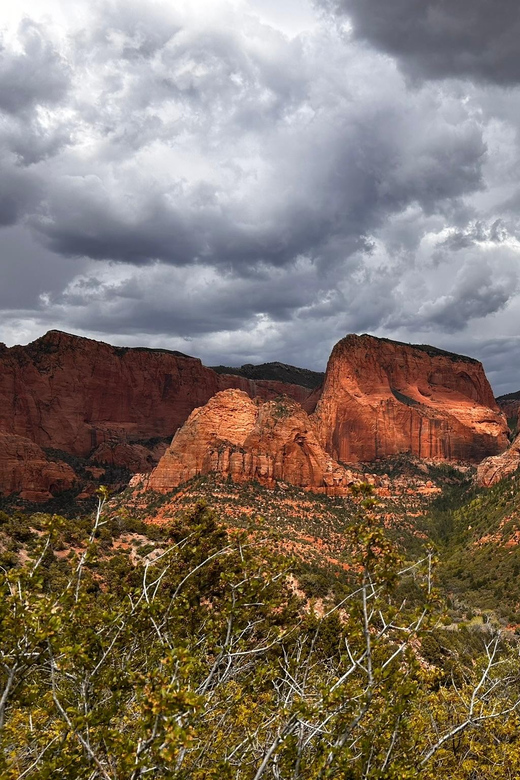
(87, 398)
(497, 467)
(120, 406)
(379, 398)
(73, 393)
(235, 436)
(382, 397)
(25, 469)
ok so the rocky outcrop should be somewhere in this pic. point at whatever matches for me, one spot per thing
(73, 393)
(133, 457)
(497, 467)
(81, 396)
(510, 405)
(25, 469)
(237, 437)
(382, 398)
(379, 398)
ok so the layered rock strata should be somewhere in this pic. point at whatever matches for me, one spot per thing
(497, 467)
(73, 393)
(25, 469)
(381, 398)
(237, 437)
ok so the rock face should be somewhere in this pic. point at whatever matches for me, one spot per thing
(82, 397)
(382, 398)
(25, 469)
(112, 404)
(510, 405)
(73, 393)
(133, 457)
(245, 439)
(497, 467)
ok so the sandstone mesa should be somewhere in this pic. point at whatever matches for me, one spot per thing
(120, 406)
(236, 437)
(382, 398)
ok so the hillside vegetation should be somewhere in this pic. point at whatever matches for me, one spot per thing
(188, 649)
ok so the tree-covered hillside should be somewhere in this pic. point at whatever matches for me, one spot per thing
(479, 545)
(192, 650)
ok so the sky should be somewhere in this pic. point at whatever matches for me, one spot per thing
(251, 180)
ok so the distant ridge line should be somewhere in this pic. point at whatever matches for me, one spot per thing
(432, 351)
(278, 372)
(509, 396)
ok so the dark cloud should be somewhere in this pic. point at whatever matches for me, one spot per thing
(185, 176)
(241, 181)
(478, 232)
(28, 271)
(203, 302)
(500, 357)
(32, 142)
(475, 295)
(19, 193)
(471, 39)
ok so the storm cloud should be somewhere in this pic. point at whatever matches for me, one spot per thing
(438, 39)
(219, 178)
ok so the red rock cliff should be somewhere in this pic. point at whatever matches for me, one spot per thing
(497, 467)
(73, 394)
(382, 397)
(511, 408)
(235, 436)
(25, 469)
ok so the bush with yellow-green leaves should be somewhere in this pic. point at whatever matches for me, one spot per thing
(197, 659)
